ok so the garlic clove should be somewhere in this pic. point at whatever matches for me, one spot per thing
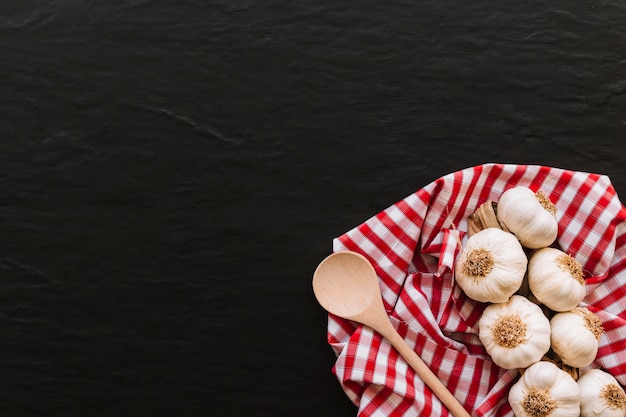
(601, 395)
(574, 336)
(556, 279)
(491, 266)
(530, 216)
(484, 217)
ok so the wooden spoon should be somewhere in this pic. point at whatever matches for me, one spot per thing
(345, 284)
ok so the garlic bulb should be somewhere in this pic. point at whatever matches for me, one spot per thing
(545, 390)
(491, 266)
(515, 333)
(575, 335)
(556, 279)
(530, 216)
(601, 395)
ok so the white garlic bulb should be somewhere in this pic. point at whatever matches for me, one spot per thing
(574, 336)
(491, 266)
(515, 333)
(545, 390)
(556, 279)
(601, 395)
(530, 216)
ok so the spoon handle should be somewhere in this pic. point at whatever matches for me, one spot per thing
(423, 371)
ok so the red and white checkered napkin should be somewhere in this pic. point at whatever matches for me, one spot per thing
(413, 244)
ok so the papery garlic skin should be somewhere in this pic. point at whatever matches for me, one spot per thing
(601, 395)
(557, 394)
(521, 211)
(515, 333)
(556, 279)
(491, 266)
(574, 336)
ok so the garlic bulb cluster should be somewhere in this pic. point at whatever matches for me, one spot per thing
(491, 266)
(530, 216)
(601, 395)
(535, 320)
(516, 333)
(545, 390)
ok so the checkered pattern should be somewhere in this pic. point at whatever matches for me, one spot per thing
(412, 246)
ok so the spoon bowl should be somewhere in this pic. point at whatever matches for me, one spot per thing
(341, 274)
(346, 285)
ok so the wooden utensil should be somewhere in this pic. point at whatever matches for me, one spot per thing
(345, 284)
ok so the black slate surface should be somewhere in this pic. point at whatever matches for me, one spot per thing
(172, 172)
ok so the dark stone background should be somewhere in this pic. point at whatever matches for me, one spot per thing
(171, 173)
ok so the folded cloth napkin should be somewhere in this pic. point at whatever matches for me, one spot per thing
(412, 246)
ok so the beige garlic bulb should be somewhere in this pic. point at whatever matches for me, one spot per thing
(545, 390)
(515, 333)
(530, 216)
(601, 395)
(556, 279)
(575, 335)
(491, 266)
